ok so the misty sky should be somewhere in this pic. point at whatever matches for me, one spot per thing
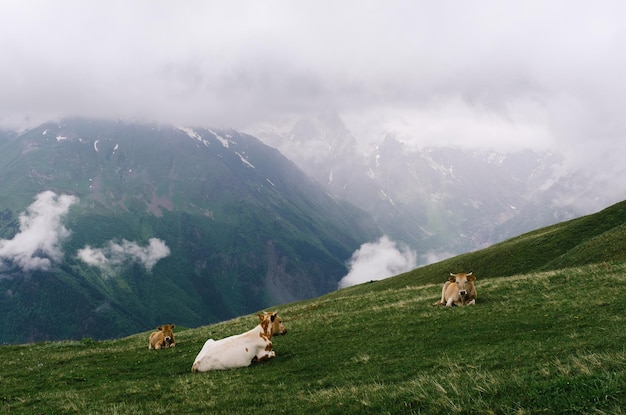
(497, 73)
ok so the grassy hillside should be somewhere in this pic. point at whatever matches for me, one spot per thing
(547, 339)
(591, 239)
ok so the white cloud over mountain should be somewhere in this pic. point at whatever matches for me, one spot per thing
(378, 260)
(116, 254)
(39, 242)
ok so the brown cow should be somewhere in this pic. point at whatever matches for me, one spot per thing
(163, 337)
(458, 290)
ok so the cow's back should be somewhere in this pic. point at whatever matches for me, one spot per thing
(228, 353)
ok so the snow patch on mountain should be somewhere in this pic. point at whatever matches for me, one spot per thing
(440, 168)
(221, 139)
(496, 158)
(244, 161)
(192, 134)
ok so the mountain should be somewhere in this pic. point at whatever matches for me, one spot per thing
(439, 200)
(108, 227)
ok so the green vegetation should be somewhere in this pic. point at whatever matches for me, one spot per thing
(240, 238)
(548, 339)
(549, 342)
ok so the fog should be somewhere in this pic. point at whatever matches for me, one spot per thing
(484, 74)
(506, 74)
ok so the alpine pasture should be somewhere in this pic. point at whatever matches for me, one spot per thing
(546, 336)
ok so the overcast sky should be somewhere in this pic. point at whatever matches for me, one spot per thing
(499, 73)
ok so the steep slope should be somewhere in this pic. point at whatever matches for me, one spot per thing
(171, 224)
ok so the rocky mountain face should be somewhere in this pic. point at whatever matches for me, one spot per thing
(440, 201)
(109, 228)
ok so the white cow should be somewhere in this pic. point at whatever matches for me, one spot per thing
(242, 349)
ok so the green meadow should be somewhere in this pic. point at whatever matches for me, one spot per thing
(546, 336)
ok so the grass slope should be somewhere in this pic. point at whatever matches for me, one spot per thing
(591, 239)
(544, 340)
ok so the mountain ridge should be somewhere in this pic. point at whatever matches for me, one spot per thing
(439, 200)
(245, 228)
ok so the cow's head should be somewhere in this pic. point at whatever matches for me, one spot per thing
(464, 282)
(168, 333)
(272, 324)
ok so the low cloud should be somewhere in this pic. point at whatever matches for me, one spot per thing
(378, 260)
(115, 254)
(38, 243)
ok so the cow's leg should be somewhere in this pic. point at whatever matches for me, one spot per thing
(266, 353)
(265, 356)
(450, 302)
(473, 302)
(443, 294)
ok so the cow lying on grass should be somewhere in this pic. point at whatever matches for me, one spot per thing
(163, 337)
(242, 349)
(458, 290)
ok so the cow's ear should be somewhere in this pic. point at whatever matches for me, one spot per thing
(160, 328)
(452, 278)
(273, 317)
(470, 277)
(173, 325)
(260, 316)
